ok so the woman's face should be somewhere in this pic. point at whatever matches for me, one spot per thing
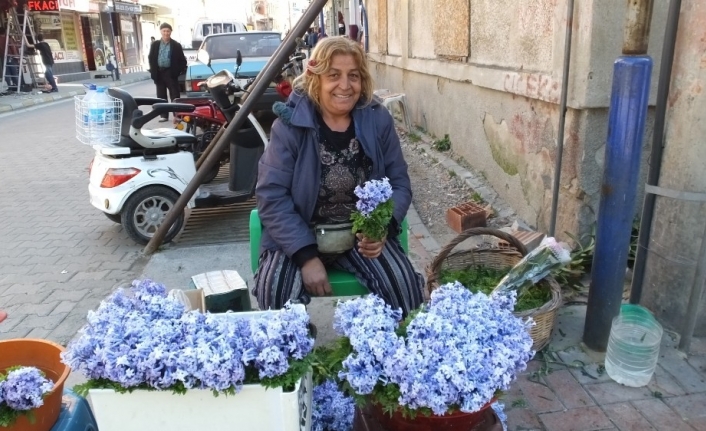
(340, 86)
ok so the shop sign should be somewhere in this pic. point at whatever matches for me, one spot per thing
(126, 26)
(43, 5)
(77, 5)
(66, 56)
(127, 8)
(49, 22)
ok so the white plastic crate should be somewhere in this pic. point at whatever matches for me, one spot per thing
(98, 122)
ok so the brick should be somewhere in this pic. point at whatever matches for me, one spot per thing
(93, 275)
(569, 391)
(121, 275)
(612, 392)
(42, 260)
(689, 407)
(581, 419)
(627, 418)
(38, 250)
(34, 298)
(26, 289)
(539, 396)
(661, 416)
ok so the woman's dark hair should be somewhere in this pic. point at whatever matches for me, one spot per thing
(40, 37)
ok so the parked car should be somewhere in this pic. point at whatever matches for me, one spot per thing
(256, 48)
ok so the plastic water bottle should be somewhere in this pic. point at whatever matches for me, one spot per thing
(100, 116)
(633, 346)
(90, 94)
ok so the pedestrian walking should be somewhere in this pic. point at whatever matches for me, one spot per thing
(48, 61)
(167, 62)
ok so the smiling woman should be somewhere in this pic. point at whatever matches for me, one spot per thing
(331, 137)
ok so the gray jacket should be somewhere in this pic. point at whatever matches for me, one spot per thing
(289, 172)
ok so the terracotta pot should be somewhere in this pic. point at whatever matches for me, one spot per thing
(457, 421)
(44, 355)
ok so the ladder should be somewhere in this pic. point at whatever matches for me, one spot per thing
(17, 60)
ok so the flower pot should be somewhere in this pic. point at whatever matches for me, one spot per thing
(457, 421)
(43, 355)
(253, 408)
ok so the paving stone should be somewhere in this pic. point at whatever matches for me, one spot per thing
(68, 295)
(661, 416)
(41, 260)
(699, 363)
(689, 407)
(569, 391)
(18, 332)
(40, 333)
(12, 322)
(64, 307)
(67, 329)
(93, 275)
(43, 309)
(522, 419)
(540, 397)
(663, 383)
(121, 275)
(34, 298)
(9, 261)
(580, 419)
(627, 418)
(612, 392)
(674, 363)
(37, 251)
(47, 322)
(25, 288)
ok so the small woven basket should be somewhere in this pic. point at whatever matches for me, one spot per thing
(496, 258)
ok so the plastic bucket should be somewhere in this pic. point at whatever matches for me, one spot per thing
(633, 346)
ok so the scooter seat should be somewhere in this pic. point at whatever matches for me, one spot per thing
(180, 136)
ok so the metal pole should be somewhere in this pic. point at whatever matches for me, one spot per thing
(648, 207)
(268, 73)
(623, 152)
(112, 39)
(562, 115)
(697, 290)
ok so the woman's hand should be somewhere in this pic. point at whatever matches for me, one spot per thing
(315, 278)
(368, 247)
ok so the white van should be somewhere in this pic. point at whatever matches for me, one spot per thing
(204, 27)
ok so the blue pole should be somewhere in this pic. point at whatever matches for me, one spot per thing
(626, 128)
(321, 20)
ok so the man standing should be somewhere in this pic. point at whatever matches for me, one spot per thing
(167, 62)
(48, 61)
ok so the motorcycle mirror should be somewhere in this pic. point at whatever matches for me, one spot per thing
(203, 57)
(238, 58)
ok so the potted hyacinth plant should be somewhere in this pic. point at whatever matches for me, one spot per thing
(22, 391)
(151, 364)
(445, 364)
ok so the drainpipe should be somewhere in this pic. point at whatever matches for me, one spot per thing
(562, 115)
(365, 28)
(648, 207)
(626, 127)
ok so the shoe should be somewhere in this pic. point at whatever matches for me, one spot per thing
(163, 120)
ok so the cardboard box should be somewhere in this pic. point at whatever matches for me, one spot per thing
(223, 291)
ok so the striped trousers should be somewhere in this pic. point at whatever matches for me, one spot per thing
(390, 276)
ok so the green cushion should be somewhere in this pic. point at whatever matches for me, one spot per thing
(342, 283)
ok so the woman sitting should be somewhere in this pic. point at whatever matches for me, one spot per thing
(330, 137)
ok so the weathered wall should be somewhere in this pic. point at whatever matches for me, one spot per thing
(488, 73)
(679, 226)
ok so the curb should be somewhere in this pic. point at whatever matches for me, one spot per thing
(48, 98)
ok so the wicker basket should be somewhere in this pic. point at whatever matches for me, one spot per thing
(544, 316)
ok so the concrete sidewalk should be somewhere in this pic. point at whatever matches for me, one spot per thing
(14, 102)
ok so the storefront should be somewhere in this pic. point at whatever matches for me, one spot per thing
(58, 22)
(128, 16)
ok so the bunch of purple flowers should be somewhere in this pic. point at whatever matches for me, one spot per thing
(374, 209)
(143, 338)
(455, 353)
(332, 409)
(21, 390)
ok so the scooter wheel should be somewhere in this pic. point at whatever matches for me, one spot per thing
(145, 211)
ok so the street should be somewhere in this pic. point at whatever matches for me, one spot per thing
(60, 256)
